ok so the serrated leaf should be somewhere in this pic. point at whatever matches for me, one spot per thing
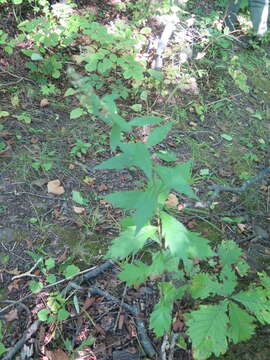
(241, 325)
(256, 301)
(145, 120)
(71, 270)
(134, 274)
(137, 200)
(198, 246)
(265, 280)
(76, 113)
(163, 261)
(158, 134)
(207, 329)
(201, 285)
(175, 235)
(43, 314)
(228, 281)
(229, 252)
(51, 278)
(35, 286)
(62, 314)
(177, 178)
(134, 154)
(130, 242)
(160, 319)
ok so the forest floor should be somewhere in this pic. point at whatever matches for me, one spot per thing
(223, 129)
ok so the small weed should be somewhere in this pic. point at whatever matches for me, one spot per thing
(80, 148)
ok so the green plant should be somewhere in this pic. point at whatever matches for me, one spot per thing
(80, 148)
(223, 308)
(24, 117)
(45, 161)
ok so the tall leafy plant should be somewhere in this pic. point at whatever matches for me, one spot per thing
(185, 266)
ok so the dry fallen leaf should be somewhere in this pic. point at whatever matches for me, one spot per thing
(12, 315)
(14, 285)
(242, 227)
(58, 354)
(102, 187)
(55, 188)
(172, 200)
(44, 102)
(79, 210)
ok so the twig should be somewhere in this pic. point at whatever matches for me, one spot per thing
(164, 346)
(14, 75)
(218, 188)
(163, 41)
(120, 307)
(26, 336)
(172, 346)
(28, 273)
(142, 334)
(92, 273)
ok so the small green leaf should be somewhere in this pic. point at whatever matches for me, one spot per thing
(51, 279)
(62, 314)
(3, 349)
(50, 263)
(134, 274)
(35, 286)
(204, 172)
(4, 113)
(136, 107)
(70, 91)
(226, 137)
(78, 198)
(71, 270)
(158, 134)
(36, 57)
(43, 314)
(76, 113)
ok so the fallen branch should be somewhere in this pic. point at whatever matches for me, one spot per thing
(86, 275)
(164, 39)
(238, 190)
(26, 336)
(142, 334)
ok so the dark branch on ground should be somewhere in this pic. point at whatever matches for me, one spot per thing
(26, 336)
